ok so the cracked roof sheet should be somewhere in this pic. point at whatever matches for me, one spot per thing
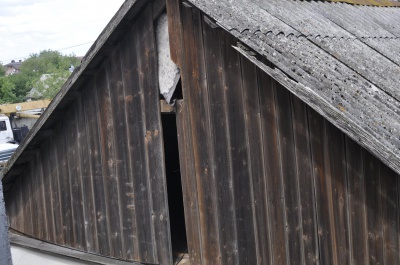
(345, 56)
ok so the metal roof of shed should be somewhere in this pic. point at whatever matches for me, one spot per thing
(343, 60)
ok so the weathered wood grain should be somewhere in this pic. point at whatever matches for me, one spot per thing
(148, 80)
(272, 169)
(335, 162)
(373, 188)
(129, 75)
(306, 185)
(194, 91)
(97, 171)
(175, 30)
(256, 168)
(215, 46)
(240, 194)
(189, 188)
(357, 206)
(390, 215)
(322, 188)
(107, 138)
(289, 177)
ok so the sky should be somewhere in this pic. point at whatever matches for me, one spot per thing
(30, 26)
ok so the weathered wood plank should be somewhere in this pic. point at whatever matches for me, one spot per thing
(390, 215)
(20, 220)
(194, 92)
(50, 176)
(374, 208)
(189, 188)
(272, 169)
(289, 177)
(107, 145)
(57, 195)
(306, 186)
(335, 161)
(241, 194)
(175, 30)
(158, 8)
(119, 97)
(75, 180)
(128, 66)
(256, 169)
(136, 151)
(117, 139)
(215, 50)
(65, 185)
(357, 206)
(165, 107)
(96, 170)
(153, 138)
(322, 188)
(46, 247)
(85, 180)
(37, 202)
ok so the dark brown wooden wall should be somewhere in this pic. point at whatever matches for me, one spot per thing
(97, 184)
(266, 179)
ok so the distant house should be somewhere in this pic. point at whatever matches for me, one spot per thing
(282, 148)
(13, 67)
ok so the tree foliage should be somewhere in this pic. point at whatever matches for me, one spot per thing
(46, 72)
(6, 91)
(2, 70)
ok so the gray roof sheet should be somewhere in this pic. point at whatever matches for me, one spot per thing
(341, 59)
(15, 65)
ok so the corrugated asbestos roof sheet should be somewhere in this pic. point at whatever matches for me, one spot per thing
(343, 60)
(386, 3)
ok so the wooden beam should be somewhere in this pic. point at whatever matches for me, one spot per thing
(30, 116)
(166, 108)
(41, 246)
(158, 8)
(175, 30)
(12, 108)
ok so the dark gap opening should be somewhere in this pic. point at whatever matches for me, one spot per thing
(174, 186)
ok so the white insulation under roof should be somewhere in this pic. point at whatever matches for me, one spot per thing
(168, 71)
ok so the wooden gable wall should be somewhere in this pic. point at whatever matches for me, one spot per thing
(266, 179)
(97, 184)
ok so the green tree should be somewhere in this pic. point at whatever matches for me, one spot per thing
(2, 70)
(45, 71)
(6, 91)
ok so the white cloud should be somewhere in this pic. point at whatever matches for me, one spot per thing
(28, 26)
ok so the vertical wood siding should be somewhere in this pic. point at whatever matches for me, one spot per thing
(266, 179)
(97, 184)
